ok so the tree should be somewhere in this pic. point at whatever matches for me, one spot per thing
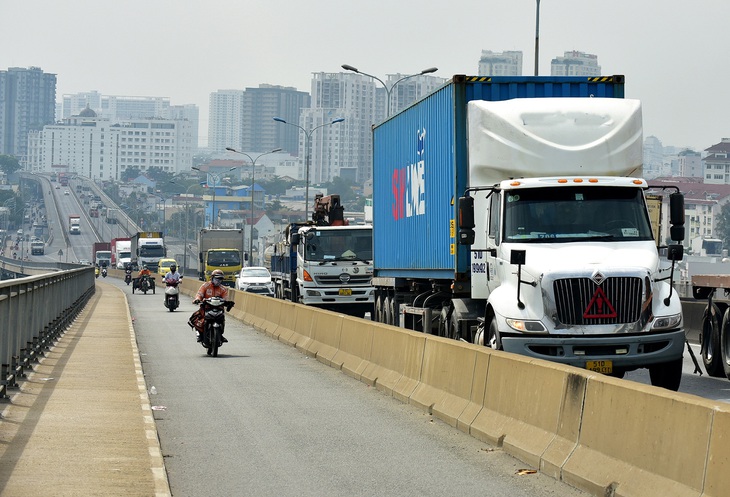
(723, 225)
(130, 173)
(9, 164)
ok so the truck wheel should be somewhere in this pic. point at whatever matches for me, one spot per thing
(379, 309)
(667, 375)
(712, 321)
(493, 340)
(724, 349)
(388, 311)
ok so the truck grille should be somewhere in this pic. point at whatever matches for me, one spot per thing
(335, 280)
(580, 301)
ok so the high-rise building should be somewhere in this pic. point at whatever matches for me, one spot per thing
(225, 120)
(260, 106)
(575, 63)
(97, 147)
(407, 91)
(27, 103)
(244, 119)
(508, 63)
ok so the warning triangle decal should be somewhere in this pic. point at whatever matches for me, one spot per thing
(599, 307)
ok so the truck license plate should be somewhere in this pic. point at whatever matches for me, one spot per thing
(345, 291)
(604, 367)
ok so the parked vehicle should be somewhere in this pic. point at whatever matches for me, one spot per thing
(584, 287)
(172, 295)
(255, 280)
(325, 262)
(220, 249)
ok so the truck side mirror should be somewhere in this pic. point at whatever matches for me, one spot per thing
(676, 209)
(676, 216)
(675, 252)
(466, 221)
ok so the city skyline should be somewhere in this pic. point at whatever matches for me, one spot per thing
(187, 52)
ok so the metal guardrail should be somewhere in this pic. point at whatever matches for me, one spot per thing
(34, 311)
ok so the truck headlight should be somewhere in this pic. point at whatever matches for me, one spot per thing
(667, 322)
(525, 326)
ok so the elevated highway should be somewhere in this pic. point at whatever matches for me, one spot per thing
(357, 408)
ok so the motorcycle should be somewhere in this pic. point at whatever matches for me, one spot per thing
(172, 299)
(128, 276)
(143, 283)
(103, 272)
(96, 272)
(213, 309)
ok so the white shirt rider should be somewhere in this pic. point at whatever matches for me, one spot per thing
(173, 276)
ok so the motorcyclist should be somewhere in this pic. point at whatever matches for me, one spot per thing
(212, 288)
(144, 272)
(173, 276)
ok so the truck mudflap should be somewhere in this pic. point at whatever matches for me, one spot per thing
(603, 354)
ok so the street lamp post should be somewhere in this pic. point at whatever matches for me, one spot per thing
(187, 224)
(216, 180)
(537, 35)
(253, 183)
(388, 91)
(308, 152)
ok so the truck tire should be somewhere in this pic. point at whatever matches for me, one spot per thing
(493, 340)
(712, 323)
(388, 310)
(724, 348)
(667, 375)
(379, 308)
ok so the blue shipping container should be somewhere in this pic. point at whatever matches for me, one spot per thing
(420, 169)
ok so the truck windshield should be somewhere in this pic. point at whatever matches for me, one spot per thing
(224, 258)
(151, 251)
(563, 214)
(322, 245)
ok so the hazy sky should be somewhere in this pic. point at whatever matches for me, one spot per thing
(673, 53)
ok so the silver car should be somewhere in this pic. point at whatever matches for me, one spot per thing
(255, 280)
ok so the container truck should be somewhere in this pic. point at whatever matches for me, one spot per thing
(147, 248)
(510, 212)
(220, 249)
(121, 252)
(74, 224)
(325, 262)
(101, 254)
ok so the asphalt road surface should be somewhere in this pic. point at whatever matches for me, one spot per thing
(263, 419)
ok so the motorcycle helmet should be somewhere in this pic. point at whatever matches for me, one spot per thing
(216, 277)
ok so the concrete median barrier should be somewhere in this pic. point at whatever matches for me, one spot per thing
(522, 405)
(355, 349)
(638, 440)
(478, 389)
(445, 391)
(326, 330)
(395, 360)
(302, 329)
(717, 478)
